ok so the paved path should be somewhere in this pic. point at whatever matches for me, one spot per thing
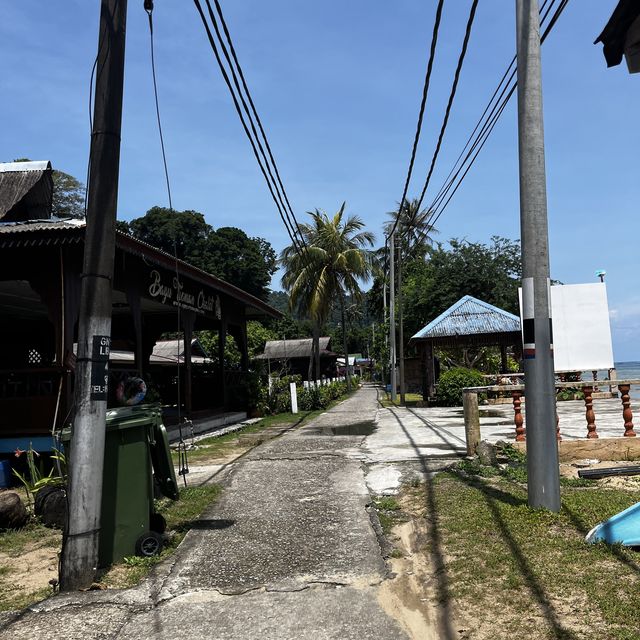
(288, 552)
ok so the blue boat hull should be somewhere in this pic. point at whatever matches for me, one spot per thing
(623, 528)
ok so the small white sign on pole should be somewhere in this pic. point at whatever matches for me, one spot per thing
(294, 397)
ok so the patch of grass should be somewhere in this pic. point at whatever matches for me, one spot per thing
(396, 553)
(529, 573)
(388, 511)
(411, 400)
(180, 516)
(387, 503)
(33, 535)
(15, 600)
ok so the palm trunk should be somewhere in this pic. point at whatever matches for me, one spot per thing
(344, 344)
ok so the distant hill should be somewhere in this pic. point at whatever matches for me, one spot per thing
(279, 300)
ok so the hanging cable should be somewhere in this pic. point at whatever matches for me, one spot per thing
(292, 229)
(423, 103)
(445, 193)
(254, 111)
(452, 95)
(183, 463)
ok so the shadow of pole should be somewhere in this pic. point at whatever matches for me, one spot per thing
(442, 578)
(490, 495)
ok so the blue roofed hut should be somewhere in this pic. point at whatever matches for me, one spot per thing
(467, 323)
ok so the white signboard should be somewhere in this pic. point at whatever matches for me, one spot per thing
(581, 329)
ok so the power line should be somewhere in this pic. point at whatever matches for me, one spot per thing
(291, 229)
(439, 204)
(425, 91)
(253, 109)
(452, 95)
(508, 75)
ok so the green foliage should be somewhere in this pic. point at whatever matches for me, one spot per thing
(488, 272)
(227, 252)
(68, 196)
(35, 479)
(257, 337)
(320, 396)
(451, 383)
(209, 341)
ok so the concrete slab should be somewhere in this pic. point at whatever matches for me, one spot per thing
(313, 614)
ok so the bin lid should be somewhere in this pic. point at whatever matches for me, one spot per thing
(127, 417)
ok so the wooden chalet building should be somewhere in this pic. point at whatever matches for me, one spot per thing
(153, 294)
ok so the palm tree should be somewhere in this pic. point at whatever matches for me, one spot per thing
(414, 229)
(330, 267)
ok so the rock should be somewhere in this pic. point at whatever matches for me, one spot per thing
(51, 506)
(13, 514)
(486, 453)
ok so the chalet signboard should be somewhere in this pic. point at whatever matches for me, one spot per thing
(170, 290)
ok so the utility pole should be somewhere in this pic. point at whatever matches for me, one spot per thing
(392, 314)
(539, 379)
(401, 323)
(80, 549)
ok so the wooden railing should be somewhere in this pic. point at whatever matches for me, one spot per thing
(472, 414)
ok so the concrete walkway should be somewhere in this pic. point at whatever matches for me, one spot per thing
(289, 552)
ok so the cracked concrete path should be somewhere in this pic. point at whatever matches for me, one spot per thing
(288, 552)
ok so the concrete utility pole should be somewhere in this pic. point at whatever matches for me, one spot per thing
(539, 380)
(392, 314)
(80, 549)
(401, 323)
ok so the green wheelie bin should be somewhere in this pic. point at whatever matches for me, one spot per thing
(136, 450)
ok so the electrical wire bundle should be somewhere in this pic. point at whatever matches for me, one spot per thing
(245, 107)
(550, 12)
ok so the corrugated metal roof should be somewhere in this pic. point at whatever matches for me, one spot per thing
(67, 228)
(299, 348)
(26, 190)
(469, 316)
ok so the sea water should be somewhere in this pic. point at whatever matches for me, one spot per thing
(624, 371)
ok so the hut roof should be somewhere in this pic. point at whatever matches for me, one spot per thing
(26, 190)
(470, 318)
(54, 231)
(300, 348)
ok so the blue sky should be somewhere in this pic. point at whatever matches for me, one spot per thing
(338, 85)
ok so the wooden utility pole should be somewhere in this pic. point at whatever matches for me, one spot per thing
(539, 380)
(80, 548)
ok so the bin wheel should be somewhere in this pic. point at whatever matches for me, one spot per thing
(158, 523)
(149, 544)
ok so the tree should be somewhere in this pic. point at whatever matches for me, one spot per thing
(488, 272)
(414, 230)
(329, 269)
(184, 232)
(247, 263)
(68, 196)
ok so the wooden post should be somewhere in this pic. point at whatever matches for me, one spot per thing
(471, 421)
(626, 410)
(504, 361)
(521, 434)
(590, 415)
